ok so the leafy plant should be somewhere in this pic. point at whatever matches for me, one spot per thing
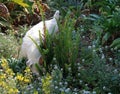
(21, 3)
(116, 44)
(67, 5)
(66, 45)
(17, 65)
(8, 46)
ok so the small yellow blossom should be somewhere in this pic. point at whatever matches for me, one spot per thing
(20, 77)
(27, 70)
(2, 76)
(7, 79)
(4, 63)
(35, 92)
(10, 72)
(26, 80)
(4, 85)
(11, 91)
(16, 91)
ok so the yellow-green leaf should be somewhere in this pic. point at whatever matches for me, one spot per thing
(21, 3)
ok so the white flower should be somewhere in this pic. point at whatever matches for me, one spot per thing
(55, 67)
(100, 49)
(73, 80)
(103, 56)
(75, 89)
(94, 92)
(54, 59)
(115, 48)
(86, 92)
(55, 81)
(104, 87)
(110, 59)
(61, 89)
(60, 83)
(111, 49)
(93, 46)
(38, 89)
(94, 50)
(56, 87)
(79, 68)
(76, 93)
(118, 50)
(78, 64)
(31, 0)
(61, 69)
(67, 90)
(80, 81)
(65, 83)
(106, 47)
(83, 36)
(83, 60)
(78, 74)
(69, 69)
(86, 84)
(89, 47)
(115, 71)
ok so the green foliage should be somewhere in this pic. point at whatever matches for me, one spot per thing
(66, 44)
(17, 65)
(60, 49)
(5, 23)
(8, 46)
(19, 12)
(81, 61)
(21, 3)
(116, 44)
(46, 84)
(66, 5)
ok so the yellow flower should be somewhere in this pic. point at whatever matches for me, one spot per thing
(10, 72)
(35, 92)
(26, 80)
(4, 63)
(11, 91)
(16, 91)
(27, 70)
(20, 77)
(2, 76)
(3, 84)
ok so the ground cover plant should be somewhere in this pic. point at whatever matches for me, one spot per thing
(83, 58)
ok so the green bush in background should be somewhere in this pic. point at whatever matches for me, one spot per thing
(8, 46)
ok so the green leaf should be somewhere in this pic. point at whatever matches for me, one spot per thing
(21, 3)
(106, 37)
(116, 44)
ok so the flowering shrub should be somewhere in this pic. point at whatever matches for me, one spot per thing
(10, 83)
(46, 84)
(7, 80)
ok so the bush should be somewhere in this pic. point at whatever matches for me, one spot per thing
(8, 46)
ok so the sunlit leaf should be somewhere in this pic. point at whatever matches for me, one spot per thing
(21, 3)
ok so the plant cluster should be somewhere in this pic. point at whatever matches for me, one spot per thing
(83, 58)
(7, 44)
(13, 82)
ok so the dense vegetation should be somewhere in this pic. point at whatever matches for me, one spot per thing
(83, 58)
